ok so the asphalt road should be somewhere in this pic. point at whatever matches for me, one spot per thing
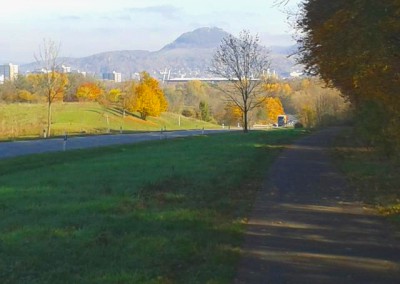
(19, 148)
(307, 226)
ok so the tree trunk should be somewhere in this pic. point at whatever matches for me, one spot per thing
(245, 128)
(48, 119)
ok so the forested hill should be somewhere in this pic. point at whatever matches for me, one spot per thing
(189, 55)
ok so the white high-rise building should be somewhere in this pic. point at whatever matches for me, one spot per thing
(9, 72)
(117, 77)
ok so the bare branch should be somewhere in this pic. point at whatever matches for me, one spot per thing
(242, 61)
(281, 2)
(51, 81)
(48, 55)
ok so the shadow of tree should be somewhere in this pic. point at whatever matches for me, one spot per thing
(307, 225)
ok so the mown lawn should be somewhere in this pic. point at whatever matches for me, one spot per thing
(375, 178)
(22, 121)
(159, 212)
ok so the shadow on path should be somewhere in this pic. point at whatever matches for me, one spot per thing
(306, 228)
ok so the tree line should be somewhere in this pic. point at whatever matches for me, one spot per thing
(306, 98)
(354, 46)
(247, 96)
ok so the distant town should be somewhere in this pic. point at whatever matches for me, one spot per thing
(10, 72)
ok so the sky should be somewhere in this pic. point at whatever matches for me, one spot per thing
(86, 27)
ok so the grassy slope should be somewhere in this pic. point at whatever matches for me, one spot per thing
(29, 120)
(159, 212)
(375, 178)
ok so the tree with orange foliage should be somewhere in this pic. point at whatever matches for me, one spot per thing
(88, 92)
(147, 99)
(273, 107)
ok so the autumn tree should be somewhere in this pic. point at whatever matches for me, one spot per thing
(175, 97)
(51, 81)
(114, 95)
(8, 92)
(282, 90)
(128, 96)
(317, 105)
(273, 107)
(148, 98)
(89, 91)
(75, 80)
(232, 114)
(117, 98)
(242, 62)
(26, 96)
(194, 92)
(355, 47)
(277, 89)
(41, 90)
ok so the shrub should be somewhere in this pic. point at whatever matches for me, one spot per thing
(189, 113)
(298, 125)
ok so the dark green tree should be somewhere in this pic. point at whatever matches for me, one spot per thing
(205, 113)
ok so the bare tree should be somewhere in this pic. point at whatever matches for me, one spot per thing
(242, 61)
(51, 81)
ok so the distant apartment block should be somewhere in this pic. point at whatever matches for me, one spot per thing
(61, 69)
(114, 76)
(8, 72)
(65, 69)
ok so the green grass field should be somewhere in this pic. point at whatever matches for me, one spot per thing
(29, 120)
(375, 178)
(169, 211)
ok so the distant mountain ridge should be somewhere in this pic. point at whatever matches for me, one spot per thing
(200, 38)
(188, 56)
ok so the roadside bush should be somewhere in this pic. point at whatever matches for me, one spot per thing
(378, 127)
(189, 113)
(298, 125)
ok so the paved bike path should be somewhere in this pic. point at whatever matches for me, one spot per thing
(307, 228)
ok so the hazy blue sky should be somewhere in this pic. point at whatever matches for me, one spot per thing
(85, 27)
